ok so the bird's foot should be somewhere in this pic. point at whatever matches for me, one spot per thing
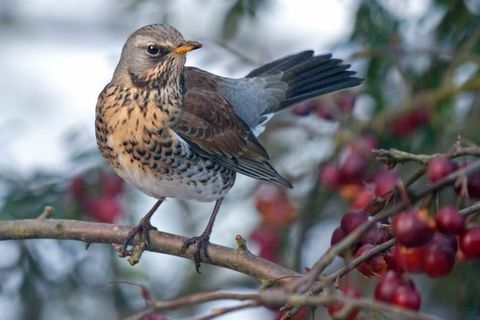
(143, 229)
(200, 251)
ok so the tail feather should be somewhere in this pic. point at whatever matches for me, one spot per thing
(307, 76)
(281, 64)
(313, 77)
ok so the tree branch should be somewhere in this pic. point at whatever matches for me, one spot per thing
(90, 232)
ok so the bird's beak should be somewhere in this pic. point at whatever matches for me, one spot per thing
(187, 46)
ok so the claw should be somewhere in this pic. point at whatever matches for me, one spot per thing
(200, 252)
(143, 229)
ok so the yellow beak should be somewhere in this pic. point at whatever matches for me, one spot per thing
(187, 46)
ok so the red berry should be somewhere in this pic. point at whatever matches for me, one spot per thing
(346, 102)
(368, 142)
(376, 265)
(78, 187)
(351, 220)
(111, 184)
(449, 220)
(469, 242)
(364, 268)
(413, 228)
(440, 167)
(353, 165)
(446, 240)
(323, 110)
(303, 109)
(385, 182)
(406, 123)
(387, 285)
(406, 297)
(330, 176)
(337, 236)
(362, 199)
(334, 309)
(410, 259)
(390, 257)
(473, 185)
(103, 209)
(268, 240)
(439, 259)
(376, 234)
(274, 206)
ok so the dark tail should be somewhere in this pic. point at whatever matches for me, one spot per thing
(308, 76)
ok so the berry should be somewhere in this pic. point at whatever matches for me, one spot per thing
(334, 309)
(337, 236)
(303, 109)
(368, 142)
(446, 240)
(449, 220)
(323, 110)
(439, 258)
(440, 167)
(376, 265)
(413, 228)
(103, 209)
(111, 184)
(473, 185)
(274, 205)
(346, 102)
(406, 297)
(376, 234)
(385, 182)
(353, 166)
(469, 242)
(351, 220)
(330, 176)
(77, 187)
(410, 259)
(268, 240)
(390, 257)
(362, 199)
(406, 123)
(364, 268)
(387, 285)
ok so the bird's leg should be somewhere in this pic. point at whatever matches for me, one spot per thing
(201, 242)
(143, 227)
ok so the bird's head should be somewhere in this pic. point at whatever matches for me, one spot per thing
(154, 53)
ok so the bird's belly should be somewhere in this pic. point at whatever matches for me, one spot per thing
(197, 183)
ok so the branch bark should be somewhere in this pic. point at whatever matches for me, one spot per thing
(91, 232)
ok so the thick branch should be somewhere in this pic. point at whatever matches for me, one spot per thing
(239, 260)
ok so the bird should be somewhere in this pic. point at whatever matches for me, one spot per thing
(176, 131)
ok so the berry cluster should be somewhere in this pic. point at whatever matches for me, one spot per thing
(425, 242)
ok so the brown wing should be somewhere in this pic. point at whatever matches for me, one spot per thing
(209, 124)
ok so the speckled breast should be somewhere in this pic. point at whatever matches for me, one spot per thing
(134, 137)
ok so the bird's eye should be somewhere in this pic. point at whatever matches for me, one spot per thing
(153, 50)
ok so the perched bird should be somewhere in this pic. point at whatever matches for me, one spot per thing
(181, 132)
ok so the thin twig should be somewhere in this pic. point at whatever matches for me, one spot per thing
(222, 311)
(474, 208)
(357, 261)
(195, 298)
(394, 156)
